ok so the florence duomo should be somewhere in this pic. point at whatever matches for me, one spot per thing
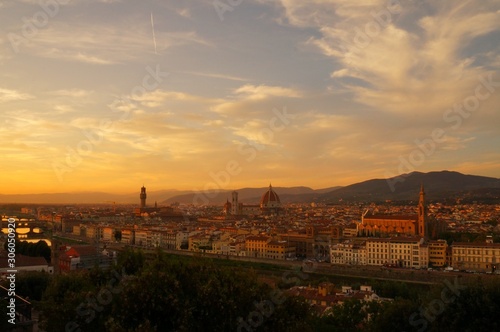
(270, 204)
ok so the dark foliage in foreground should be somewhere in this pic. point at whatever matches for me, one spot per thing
(38, 249)
(169, 293)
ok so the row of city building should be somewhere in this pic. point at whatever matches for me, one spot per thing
(64, 259)
(321, 243)
(418, 253)
(327, 243)
(388, 238)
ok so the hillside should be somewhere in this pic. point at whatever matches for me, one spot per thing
(251, 195)
(438, 185)
(442, 185)
(88, 197)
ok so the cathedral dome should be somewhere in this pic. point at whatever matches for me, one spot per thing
(270, 199)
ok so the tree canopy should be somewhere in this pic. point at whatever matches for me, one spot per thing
(172, 293)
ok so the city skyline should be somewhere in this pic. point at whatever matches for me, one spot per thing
(104, 95)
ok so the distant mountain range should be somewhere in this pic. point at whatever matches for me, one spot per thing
(90, 197)
(252, 195)
(438, 185)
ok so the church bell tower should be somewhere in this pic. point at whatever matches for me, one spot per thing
(421, 213)
(235, 204)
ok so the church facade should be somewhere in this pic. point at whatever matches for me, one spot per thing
(409, 225)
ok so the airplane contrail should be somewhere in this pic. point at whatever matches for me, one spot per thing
(153, 28)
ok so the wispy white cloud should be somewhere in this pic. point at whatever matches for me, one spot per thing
(365, 82)
(217, 75)
(184, 12)
(263, 91)
(75, 93)
(255, 98)
(401, 69)
(7, 95)
(104, 44)
(69, 2)
(455, 143)
(63, 109)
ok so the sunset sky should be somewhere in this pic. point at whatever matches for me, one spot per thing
(107, 95)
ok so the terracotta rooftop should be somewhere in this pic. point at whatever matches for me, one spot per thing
(391, 217)
(257, 238)
(22, 260)
(476, 244)
(84, 250)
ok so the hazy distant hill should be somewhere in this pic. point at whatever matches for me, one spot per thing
(438, 185)
(251, 195)
(246, 195)
(89, 197)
